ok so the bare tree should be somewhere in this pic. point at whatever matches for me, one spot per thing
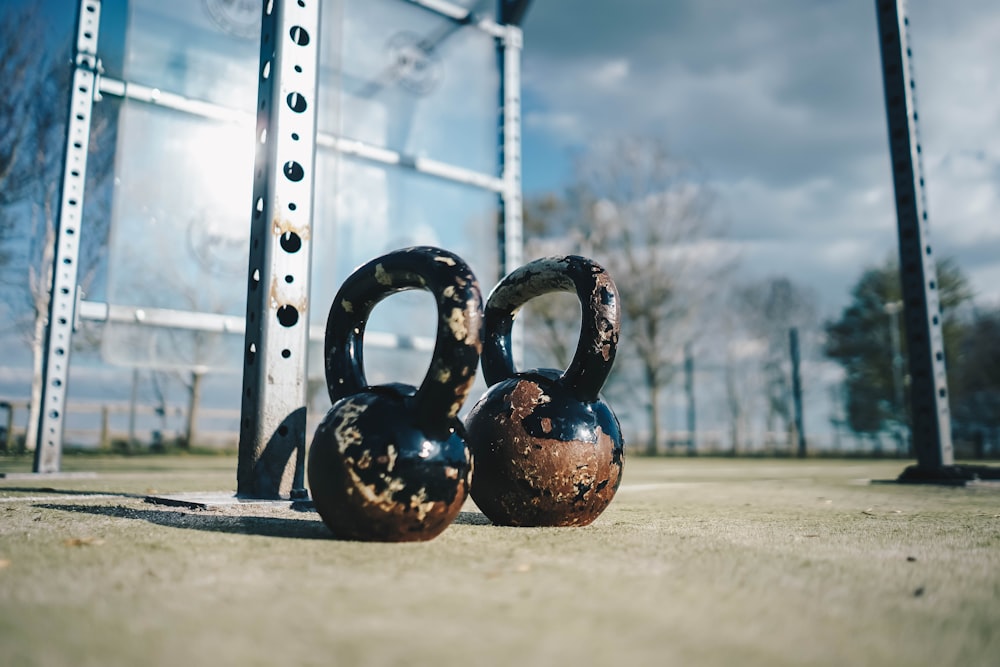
(647, 216)
(554, 317)
(31, 163)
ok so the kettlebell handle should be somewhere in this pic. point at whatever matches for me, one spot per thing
(600, 326)
(459, 330)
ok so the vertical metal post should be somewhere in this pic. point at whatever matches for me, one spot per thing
(931, 427)
(510, 223)
(511, 207)
(692, 443)
(273, 420)
(793, 345)
(63, 288)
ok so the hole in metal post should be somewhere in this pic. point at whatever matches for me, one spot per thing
(293, 171)
(296, 102)
(299, 35)
(288, 316)
(290, 242)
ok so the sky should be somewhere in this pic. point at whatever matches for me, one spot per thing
(781, 106)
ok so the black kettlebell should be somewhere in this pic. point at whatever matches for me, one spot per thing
(390, 463)
(548, 450)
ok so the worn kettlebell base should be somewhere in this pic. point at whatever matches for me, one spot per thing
(375, 479)
(542, 457)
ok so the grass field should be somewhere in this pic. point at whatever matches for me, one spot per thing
(696, 562)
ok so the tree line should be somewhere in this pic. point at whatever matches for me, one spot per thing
(651, 219)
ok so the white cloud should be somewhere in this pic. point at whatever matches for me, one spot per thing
(563, 124)
(610, 73)
(788, 122)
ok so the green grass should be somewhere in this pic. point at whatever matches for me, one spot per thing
(696, 562)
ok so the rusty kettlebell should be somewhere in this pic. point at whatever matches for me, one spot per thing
(548, 450)
(390, 463)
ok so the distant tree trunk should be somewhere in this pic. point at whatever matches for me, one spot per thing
(652, 447)
(735, 408)
(194, 401)
(40, 284)
(37, 359)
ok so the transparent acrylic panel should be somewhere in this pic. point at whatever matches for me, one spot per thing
(180, 230)
(183, 192)
(203, 49)
(410, 80)
(364, 210)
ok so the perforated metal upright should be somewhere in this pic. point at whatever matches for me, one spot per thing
(931, 421)
(63, 289)
(509, 232)
(273, 420)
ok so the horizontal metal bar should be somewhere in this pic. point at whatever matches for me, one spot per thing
(96, 311)
(365, 151)
(163, 98)
(423, 165)
(460, 14)
(161, 317)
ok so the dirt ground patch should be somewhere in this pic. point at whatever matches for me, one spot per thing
(696, 562)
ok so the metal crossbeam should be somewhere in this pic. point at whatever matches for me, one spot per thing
(461, 15)
(188, 320)
(343, 145)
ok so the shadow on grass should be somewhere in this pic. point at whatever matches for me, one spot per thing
(265, 526)
(69, 492)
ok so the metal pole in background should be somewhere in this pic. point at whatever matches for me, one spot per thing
(931, 426)
(63, 289)
(510, 218)
(692, 443)
(793, 345)
(273, 420)
(509, 234)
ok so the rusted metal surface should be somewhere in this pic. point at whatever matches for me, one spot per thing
(390, 462)
(548, 450)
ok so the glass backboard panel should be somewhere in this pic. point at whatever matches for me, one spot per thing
(370, 211)
(180, 231)
(203, 49)
(413, 81)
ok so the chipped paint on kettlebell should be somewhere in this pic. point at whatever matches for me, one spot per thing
(390, 462)
(548, 449)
